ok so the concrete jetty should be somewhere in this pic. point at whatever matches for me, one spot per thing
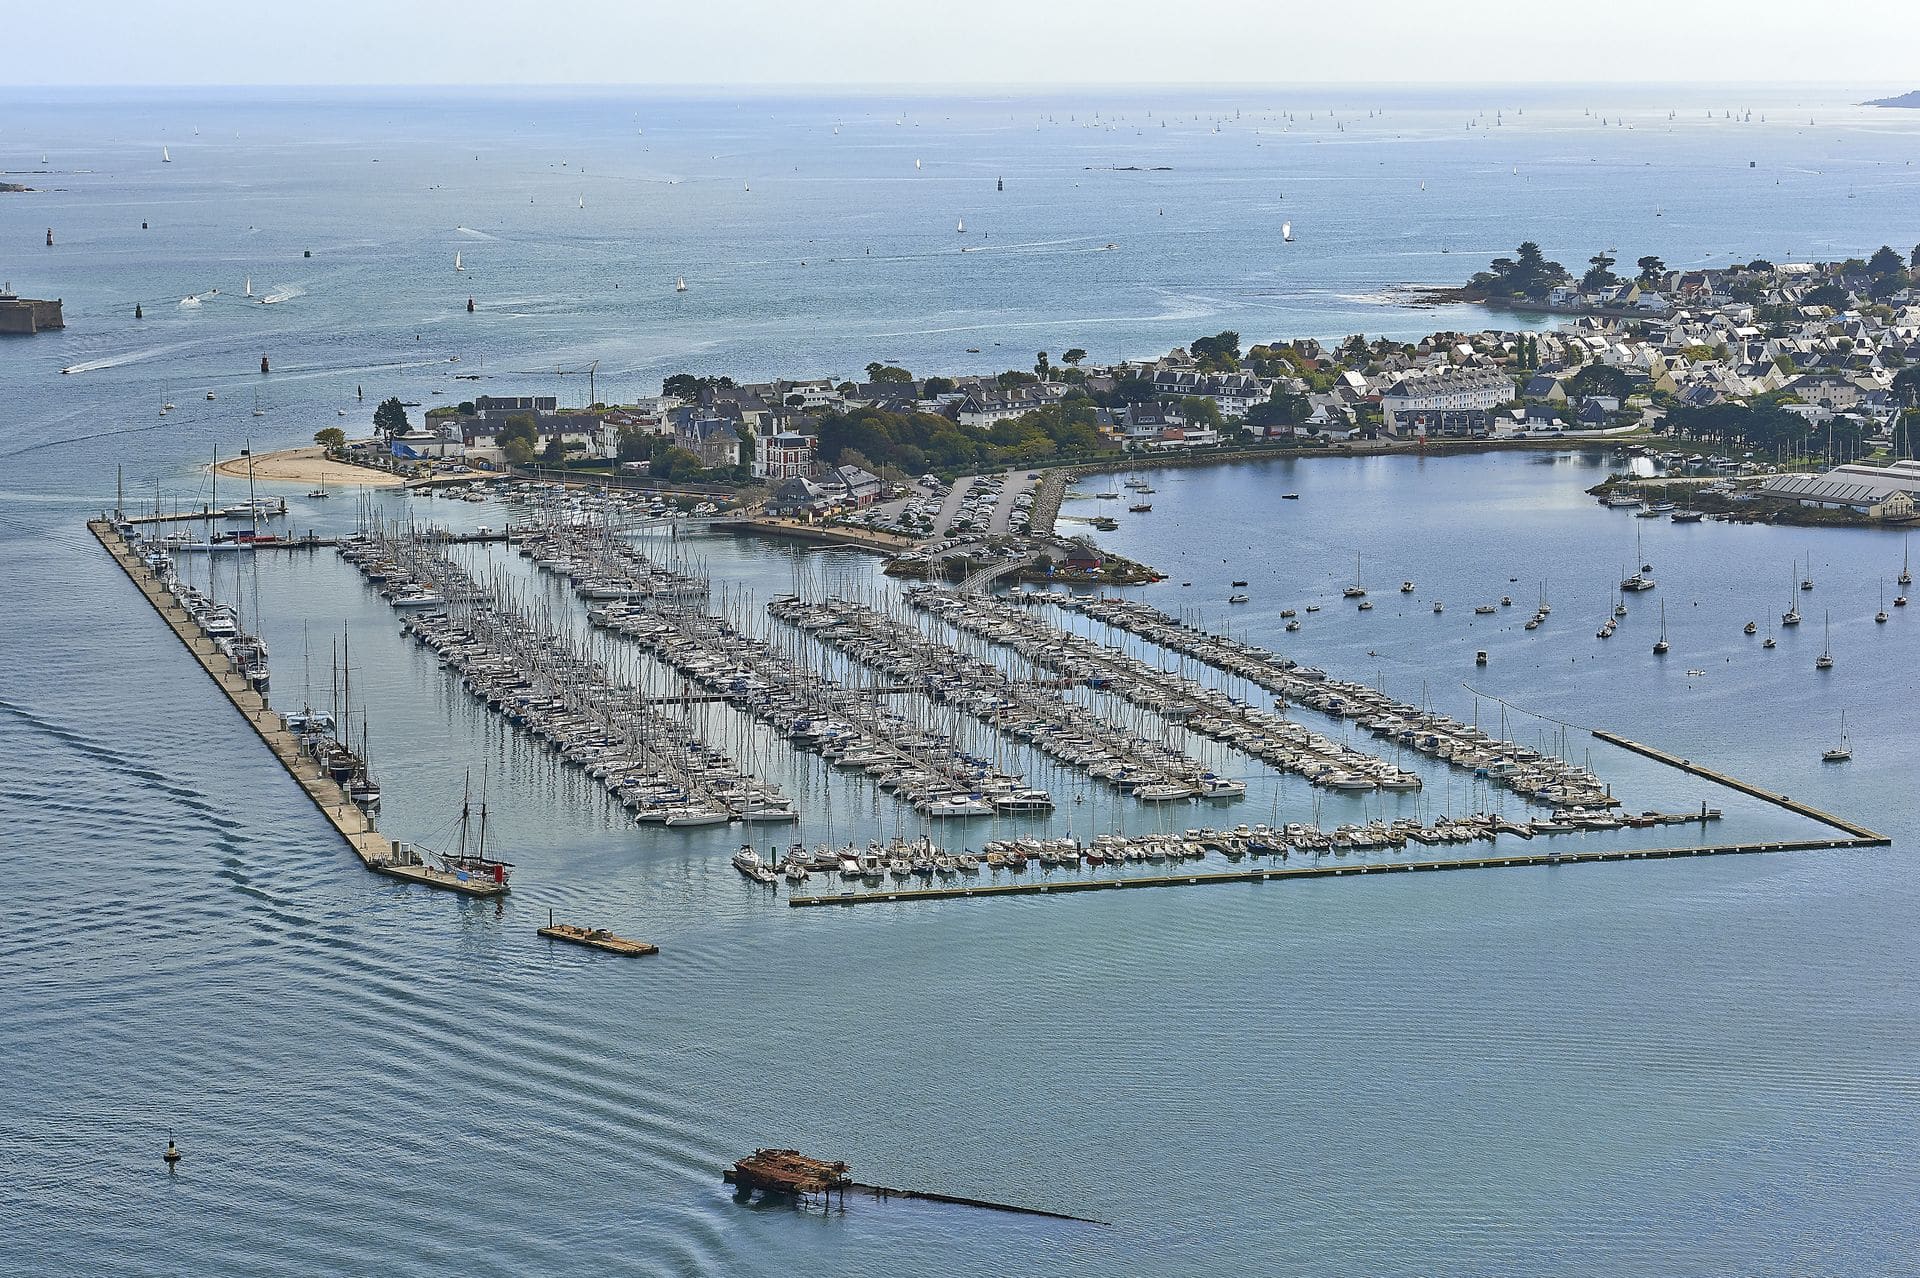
(1857, 831)
(355, 827)
(1523, 860)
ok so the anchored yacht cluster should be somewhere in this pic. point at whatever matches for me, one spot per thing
(651, 605)
(529, 669)
(1527, 772)
(601, 567)
(1118, 755)
(1262, 734)
(849, 728)
(908, 859)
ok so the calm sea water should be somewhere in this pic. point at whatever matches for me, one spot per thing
(1642, 1069)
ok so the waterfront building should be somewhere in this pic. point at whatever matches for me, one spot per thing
(25, 316)
(1887, 492)
(504, 405)
(1409, 401)
(851, 485)
(786, 455)
(713, 439)
(984, 409)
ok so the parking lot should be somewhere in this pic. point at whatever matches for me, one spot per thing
(995, 505)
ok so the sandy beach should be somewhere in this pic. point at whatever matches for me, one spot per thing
(308, 466)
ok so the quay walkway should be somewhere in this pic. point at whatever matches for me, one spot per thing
(354, 826)
(1856, 836)
(1859, 833)
(1325, 871)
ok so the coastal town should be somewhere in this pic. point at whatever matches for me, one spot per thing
(1794, 380)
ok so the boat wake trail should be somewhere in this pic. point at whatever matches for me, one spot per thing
(282, 293)
(115, 361)
(122, 764)
(40, 444)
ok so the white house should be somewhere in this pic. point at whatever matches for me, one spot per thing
(1443, 390)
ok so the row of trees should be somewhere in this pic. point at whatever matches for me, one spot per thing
(1765, 426)
(916, 442)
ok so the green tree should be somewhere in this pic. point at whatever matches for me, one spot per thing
(670, 462)
(520, 426)
(1527, 274)
(466, 408)
(1830, 295)
(1221, 351)
(1651, 268)
(1200, 411)
(1601, 379)
(1599, 273)
(938, 386)
(1074, 354)
(1284, 407)
(330, 437)
(518, 452)
(555, 452)
(634, 446)
(878, 372)
(1906, 387)
(391, 417)
(1885, 261)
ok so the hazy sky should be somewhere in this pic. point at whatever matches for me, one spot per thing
(908, 42)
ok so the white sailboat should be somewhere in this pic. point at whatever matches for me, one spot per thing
(456, 263)
(1825, 660)
(166, 156)
(960, 227)
(1660, 644)
(1286, 232)
(1842, 752)
(209, 542)
(248, 291)
(1356, 590)
(680, 284)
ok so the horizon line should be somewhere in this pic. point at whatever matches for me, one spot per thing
(1036, 88)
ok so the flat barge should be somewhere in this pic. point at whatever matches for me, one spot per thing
(597, 938)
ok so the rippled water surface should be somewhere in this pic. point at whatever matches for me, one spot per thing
(1700, 1066)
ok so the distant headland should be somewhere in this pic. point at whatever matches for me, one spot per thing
(1910, 100)
(13, 188)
